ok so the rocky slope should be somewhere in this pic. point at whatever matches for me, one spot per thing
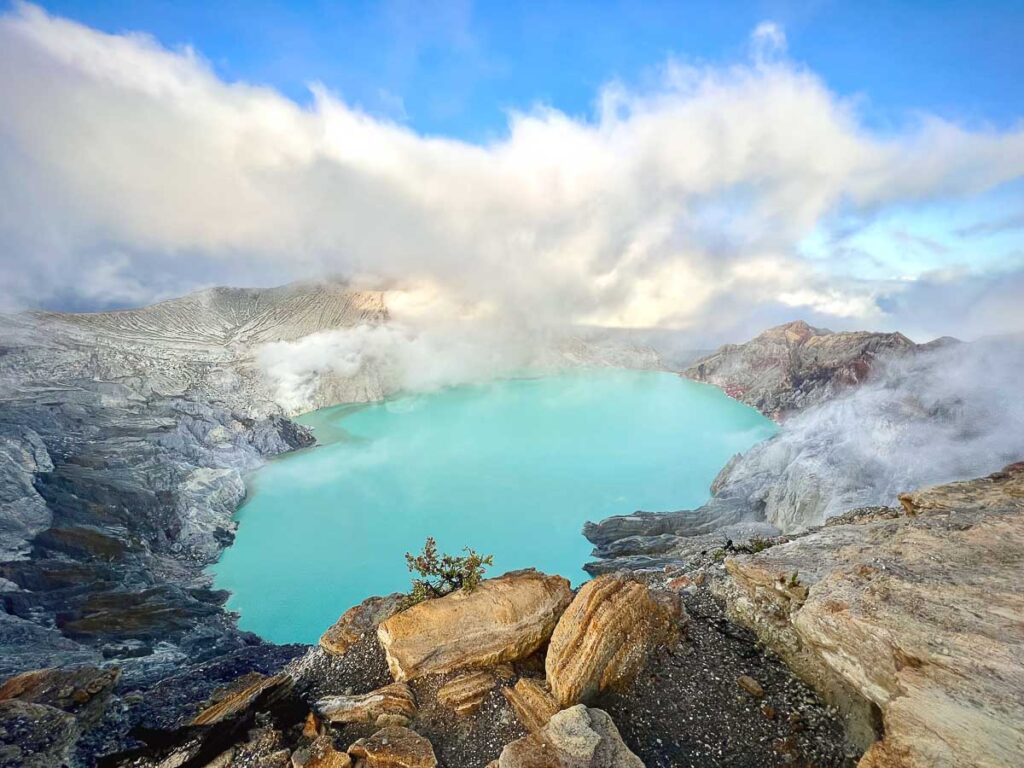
(917, 609)
(616, 687)
(794, 366)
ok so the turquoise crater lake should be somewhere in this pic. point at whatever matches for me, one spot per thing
(512, 468)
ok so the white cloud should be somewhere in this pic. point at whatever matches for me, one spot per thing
(678, 206)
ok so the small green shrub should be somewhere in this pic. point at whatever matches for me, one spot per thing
(441, 575)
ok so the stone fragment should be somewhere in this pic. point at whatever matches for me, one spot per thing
(465, 693)
(258, 691)
(532, 702)
(394, 747)
(751, 686)
(604, 637)
(503, 619)
(358, 621)
(312, 727)
(577, 737)
(395, 699)
(320, 754)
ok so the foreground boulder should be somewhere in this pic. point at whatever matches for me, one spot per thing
(395, 703)
(358, 621)
(503, 619)
(604, 637)
(920, 614)
(577, 737)
(394, 747)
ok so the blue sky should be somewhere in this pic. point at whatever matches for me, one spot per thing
(711, 167)
(455, 68)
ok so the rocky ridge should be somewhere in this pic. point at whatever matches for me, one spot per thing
(339, 709)
(794, 366)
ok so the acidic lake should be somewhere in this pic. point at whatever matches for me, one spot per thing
(513, 468)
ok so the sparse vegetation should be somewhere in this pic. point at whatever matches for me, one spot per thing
(440, 575)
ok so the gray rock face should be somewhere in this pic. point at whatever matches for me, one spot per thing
(795, 366)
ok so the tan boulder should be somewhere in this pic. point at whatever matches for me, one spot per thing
(359, 620)
(919, 615)
(320, 754)
(532, 702)
(577, 737)
(604, 637)
(465, 693)
(396, 703)
(394, 747)
(248, 694)
(503, 619)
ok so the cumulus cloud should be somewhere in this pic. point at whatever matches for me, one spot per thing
(681, 205)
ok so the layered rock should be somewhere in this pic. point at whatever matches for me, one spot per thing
(465, 693)
(394, 703)
(502, 620)
(244, 697)
(794, 366)
(577, 737)
(358, 621)
(920, 614)
(532, 702)
(603, 638)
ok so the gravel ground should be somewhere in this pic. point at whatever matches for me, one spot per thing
(687, 709)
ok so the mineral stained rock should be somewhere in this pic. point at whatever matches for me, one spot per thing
(260, 692)
(921, 614)
(465, 693)
(603, 638)
(503, 619)
(577, 737)
(532, 702)
(357, 621)
(394, 747)
(793, 366)
(396, 700)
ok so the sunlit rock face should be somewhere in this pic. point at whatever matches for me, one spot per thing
(794, 366)
(919, 611)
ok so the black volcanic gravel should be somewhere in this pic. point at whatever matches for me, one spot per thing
(687, 709)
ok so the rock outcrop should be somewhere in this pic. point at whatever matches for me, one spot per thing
(919, 613)
(577, 737)
(793, 366)
(503, 619)
(394, 703)
(358, 620)
(603, 638)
